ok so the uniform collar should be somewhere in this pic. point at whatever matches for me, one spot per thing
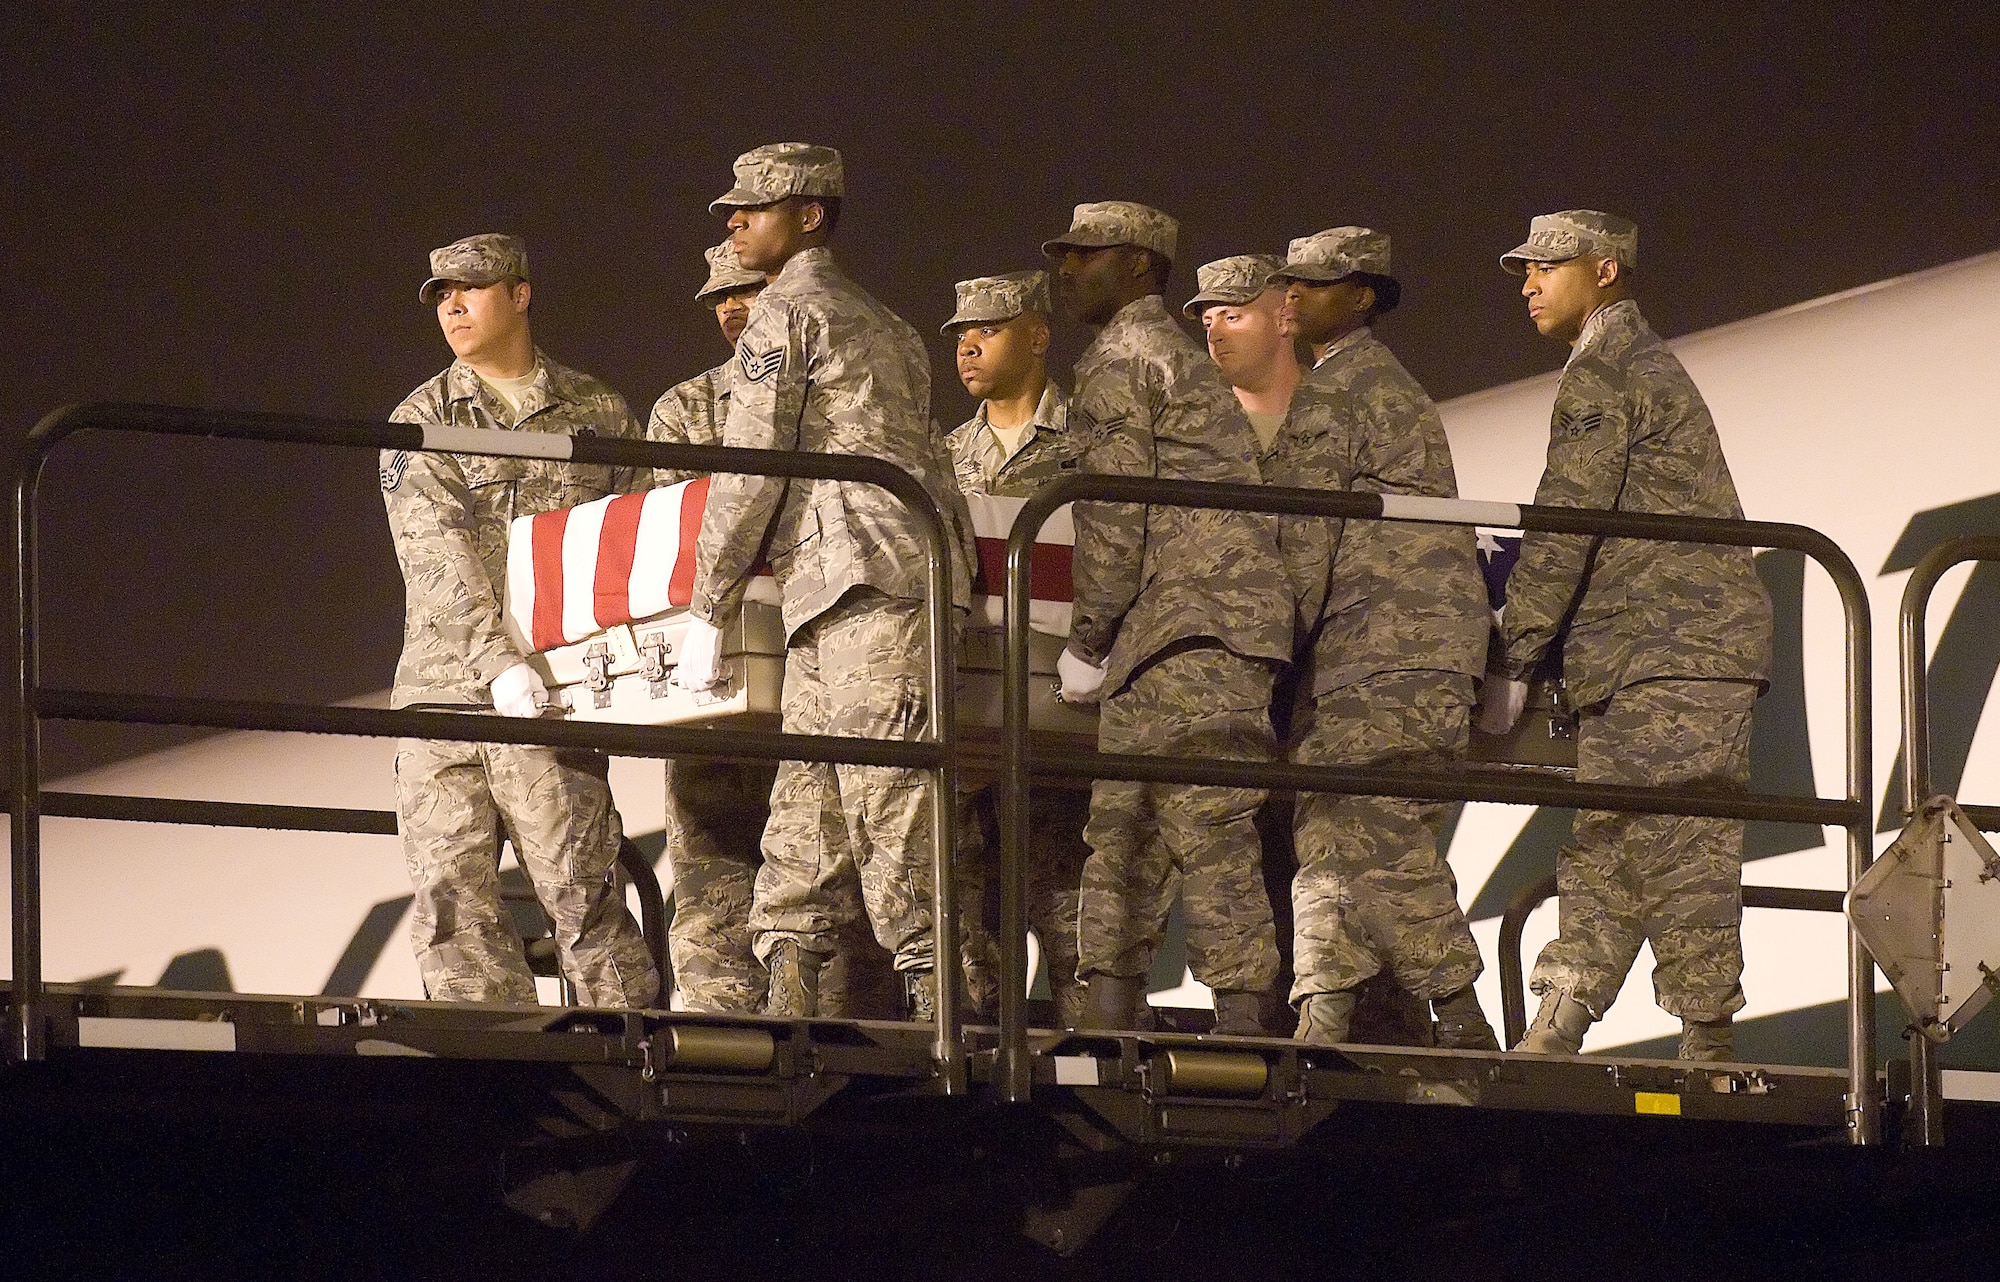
(1622, 314)
(1140, 311)
(1048, 417)
(806, 261)
(462, 383)
(1351, 338)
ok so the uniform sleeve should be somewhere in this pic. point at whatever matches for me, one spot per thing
(672, 423)
(446, 585)
(1310, 546)
(957, 519)
(1395, 458)
(1114, 425)
(765, 409)
(621, 423)
(1589, 447)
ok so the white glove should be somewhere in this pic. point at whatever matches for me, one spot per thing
(1082, 680)
(1501, 703)
(698, 669)
(519, 692)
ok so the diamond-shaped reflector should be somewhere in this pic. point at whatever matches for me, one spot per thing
(1929, 912)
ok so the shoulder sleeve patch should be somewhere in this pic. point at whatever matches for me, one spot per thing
(1090, 430)
(392, 471)
(1575, 424)
(758, 366)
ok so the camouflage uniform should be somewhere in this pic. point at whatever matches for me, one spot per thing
(1191, 614)
(716, 812)
(1665, 646)
(449, 516)
(1056, 815)
(1047, 452)
(691, 413)
(823, 367)
(1398, 621)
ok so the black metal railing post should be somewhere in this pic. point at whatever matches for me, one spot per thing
(1460, 783)
(29, 703)
(1924, 1126)
(27, 1037)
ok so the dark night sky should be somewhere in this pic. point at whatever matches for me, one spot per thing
(234, 212)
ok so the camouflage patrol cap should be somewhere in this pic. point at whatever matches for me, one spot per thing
(1231, 282)
(1557, 238)
(726, 274)
(780, 169)
(476, 260)
(1099, 224)
(998, 298)
(1335, 254)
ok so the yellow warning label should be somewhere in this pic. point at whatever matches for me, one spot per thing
(1656, 1102)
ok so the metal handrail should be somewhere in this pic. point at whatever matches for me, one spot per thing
(1015, 1070)
(371, 823)
(1926, 1116)
(28, 703)
(1513, 992)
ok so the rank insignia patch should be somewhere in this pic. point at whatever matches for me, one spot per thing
(392, 471)
(761, 365)
(1091, 430)
(1575, 424)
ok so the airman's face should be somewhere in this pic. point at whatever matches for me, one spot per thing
(996, 357)
(1245, 338)
(1319, 312)
(766, 236)
(1561, 296)
(1092, 281)
(478, 319)
(732, 311)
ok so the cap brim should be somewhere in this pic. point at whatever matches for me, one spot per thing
(961, 319)
(428, 294)
(718, 286)
(1316, 275)
(1193, 307)
(741, 198)
(1084, 240)
(1513, 259)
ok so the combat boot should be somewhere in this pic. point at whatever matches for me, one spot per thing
(1239, 1014)
(1708, 1039)
(1069, 1005)
(1461, 1024)
(794, 980)
(920, 996)
(1110, 1002)
(1324, 1018)
(1559, 1025)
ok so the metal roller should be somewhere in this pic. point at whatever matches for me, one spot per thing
(725, 1050)
(1213, 1072)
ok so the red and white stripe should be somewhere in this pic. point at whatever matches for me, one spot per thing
(576, 571)
(1050, 588)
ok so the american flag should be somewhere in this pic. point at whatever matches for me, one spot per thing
(575, 572)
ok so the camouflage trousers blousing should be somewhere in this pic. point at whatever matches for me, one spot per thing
(1373, 890)
(715, 818)
(861, 669)
(1148, 841)
(1056, 854)
(716, 812)
(1669, 880)
(454, 802)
